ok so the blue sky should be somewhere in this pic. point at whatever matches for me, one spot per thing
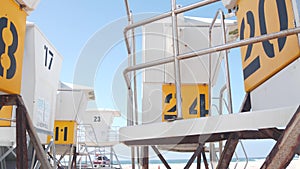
(71, 25)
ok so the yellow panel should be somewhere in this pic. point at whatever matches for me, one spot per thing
(12, 34)
(64, 132)
(262, 60)
(6, 113)
(194, 101)
(168, 102)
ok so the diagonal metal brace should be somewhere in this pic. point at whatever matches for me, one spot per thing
(196, 153)
(24, 123)
(228, 151)
(162, 159)
(286, 146)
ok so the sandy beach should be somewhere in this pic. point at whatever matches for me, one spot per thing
(295, 164)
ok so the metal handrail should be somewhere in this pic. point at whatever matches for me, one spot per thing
(162, 16)
(221, 13)
(214, 49)
(90, 126)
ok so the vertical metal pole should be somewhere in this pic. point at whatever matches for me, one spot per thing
(132, 158)
(130, 94)
(135, 103)
(138, 157)
(74, 158)
(220, 148)
(226, 63)
(209, 74)
(54, 152)
(212, 155)
(22, 157)
(199, 161)
(176, 61)
(145, 159)
(111, 157)
(70, 158)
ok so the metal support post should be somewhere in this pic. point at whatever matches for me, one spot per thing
(70, 157)
(213, 155)
(145, 157)
(205, 159)
(111, 156)
(74, 165)
(199, 161)
(132, 158)
(176, 60)
(22, 157)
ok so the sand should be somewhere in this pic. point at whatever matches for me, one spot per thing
(295, 164)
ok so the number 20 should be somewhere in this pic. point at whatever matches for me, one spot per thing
(267, 46)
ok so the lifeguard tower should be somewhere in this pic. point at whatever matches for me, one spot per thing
(72, 101)
(187, 105)
(28, 88)
(99, 135)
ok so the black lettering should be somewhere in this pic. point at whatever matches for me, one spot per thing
(251, 68)
(283, 21)
(203, 111)
(3, 24)
(46, 57)
(65, 133)
(11, 49)
(192, 109)
(168, 100)
(250, 21)
(56, 133)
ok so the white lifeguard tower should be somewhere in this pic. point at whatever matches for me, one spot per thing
(71, 102)
(186, 106)
(39, 83)
(99, 134)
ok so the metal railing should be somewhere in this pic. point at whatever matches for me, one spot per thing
(177, 57)
(159, 17)
(198, 53)
(228, 86)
